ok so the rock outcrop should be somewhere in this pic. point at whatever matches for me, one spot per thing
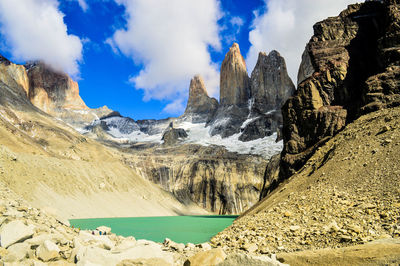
(51, 91)
(173, 135)
(217, 180)
(234, 80)
(200, 107)
(271, 85)
(350, 67)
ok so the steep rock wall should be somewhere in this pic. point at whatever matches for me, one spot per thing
(350, 67)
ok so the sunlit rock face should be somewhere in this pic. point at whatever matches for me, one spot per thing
(200, 106)
(51, 90)
(234, 80)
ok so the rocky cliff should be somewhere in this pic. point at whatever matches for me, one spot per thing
(51, 91)
(271, 85)
(217, 180)
(234, 80)
(200, 107)
(350, 67)
(57, 94)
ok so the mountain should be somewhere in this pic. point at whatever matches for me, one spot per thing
(338, 177)
(58, 95)
(200, 107)
(250, 107)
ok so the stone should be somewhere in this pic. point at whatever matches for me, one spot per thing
(48, 251)
(209, 257)
(205, 246)
(246, 260)
(234, 80)
(144, 262)
(294, 228)
(17, 252)
(250, 247)
(14, 232)
(200, 107)
(102, 240)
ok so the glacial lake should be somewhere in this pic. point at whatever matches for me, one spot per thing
(181, 229)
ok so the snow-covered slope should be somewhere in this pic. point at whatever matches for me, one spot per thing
(127, 130)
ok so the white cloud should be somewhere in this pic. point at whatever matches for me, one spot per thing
(83, 5)
(170, 38)
(287, 26)
(35, 30)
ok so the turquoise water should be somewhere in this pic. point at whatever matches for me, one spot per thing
(181, 229)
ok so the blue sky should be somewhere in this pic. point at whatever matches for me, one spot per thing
(137, 56)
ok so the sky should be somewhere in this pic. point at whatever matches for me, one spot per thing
(138, 56)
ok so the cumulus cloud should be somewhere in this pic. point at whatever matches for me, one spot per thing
(171, 40)
(286, 26)
(35, 30)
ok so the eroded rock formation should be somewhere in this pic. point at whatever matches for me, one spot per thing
(234, 83)
(350, 67)
(200, 107)
(217, 180)
(271, 85)
(51, 91)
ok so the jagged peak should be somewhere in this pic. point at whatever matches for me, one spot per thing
(197, 86)
(234, 53)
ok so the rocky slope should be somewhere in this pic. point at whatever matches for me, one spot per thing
(200, 107)
(350, 67)
(347, 194)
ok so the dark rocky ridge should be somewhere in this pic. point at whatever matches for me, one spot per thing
(355, 61)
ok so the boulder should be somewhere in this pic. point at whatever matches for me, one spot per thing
(246, 260)
(14, 232)
(17, 252)
(209, 257)
(48, 251)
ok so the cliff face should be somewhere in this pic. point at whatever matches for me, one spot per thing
(200, 106)
(51, 91)
(350, 67)
(271, 85)
(217, 180)
(234, 84)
